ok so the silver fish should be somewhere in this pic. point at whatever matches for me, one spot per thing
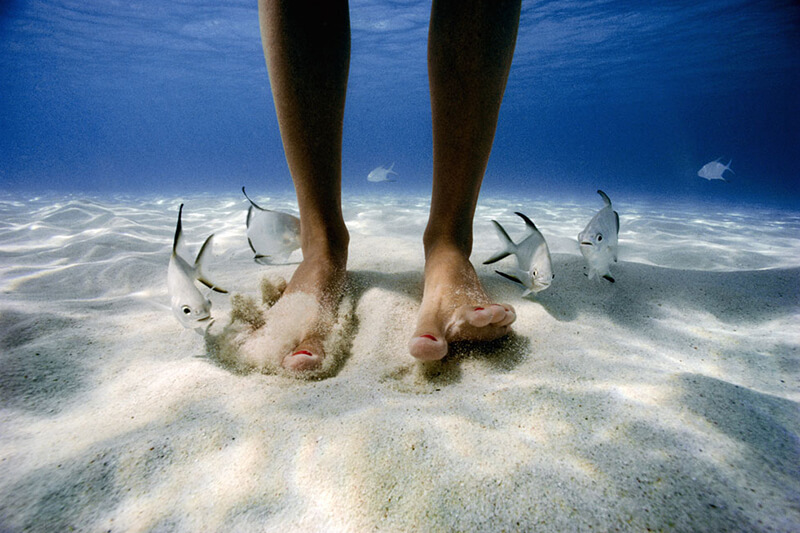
(190, 306)
(598, 241)
(272, 235)
(534, 269)
(714, 170)
(381, 173)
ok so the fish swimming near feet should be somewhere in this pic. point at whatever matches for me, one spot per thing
(534, 268)
(381, 174)
(598, 241)
(191, 307)
(714, 170)
(272, 235)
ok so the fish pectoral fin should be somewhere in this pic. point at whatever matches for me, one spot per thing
(608, 277)
(212, 286)
(497, 257)
(512, 277)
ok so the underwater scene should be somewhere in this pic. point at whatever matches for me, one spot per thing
(640, 213)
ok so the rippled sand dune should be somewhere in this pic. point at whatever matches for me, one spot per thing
(669, 400)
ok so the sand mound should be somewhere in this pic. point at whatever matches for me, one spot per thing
(260, 333)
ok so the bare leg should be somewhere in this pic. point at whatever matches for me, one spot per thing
(307, 49)
(470, 46)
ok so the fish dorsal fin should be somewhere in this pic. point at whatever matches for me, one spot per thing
(178, 232)
(204, 250)
(528, 222)
(252, 202)
(605, 197)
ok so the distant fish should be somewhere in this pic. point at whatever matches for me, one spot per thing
(272, 235)
(190, 306)
(534, 269)
(598, 241)
(381, 174)
(714, 170)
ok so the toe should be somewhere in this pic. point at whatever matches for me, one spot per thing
(494, 315)
(428, 347)
(506, 315)
(307, 356)
(479, 316)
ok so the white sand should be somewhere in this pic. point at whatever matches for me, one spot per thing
(667, 401)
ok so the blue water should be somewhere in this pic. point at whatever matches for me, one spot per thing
(632, 97)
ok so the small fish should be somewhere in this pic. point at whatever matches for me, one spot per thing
(534, 269)
(191, 307)
(714, 170)
(381, 174)
(272, 235)
(598, 241)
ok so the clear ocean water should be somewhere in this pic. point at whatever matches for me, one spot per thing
(666, 401)
(173, 98)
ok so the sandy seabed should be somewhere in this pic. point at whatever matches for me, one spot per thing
(668, 401)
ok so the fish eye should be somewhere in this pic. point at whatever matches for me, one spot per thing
(599, 237)
(535, 272)
(186, 310)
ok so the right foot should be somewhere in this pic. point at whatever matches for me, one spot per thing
(323, 278)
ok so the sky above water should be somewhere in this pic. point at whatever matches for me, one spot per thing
(631, 97)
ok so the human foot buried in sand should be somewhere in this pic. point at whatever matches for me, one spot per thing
(302, 329)
(322, 280)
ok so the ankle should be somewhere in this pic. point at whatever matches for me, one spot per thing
(436, 243)
(329, 246)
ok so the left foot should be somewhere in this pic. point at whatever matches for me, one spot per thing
(455, 307)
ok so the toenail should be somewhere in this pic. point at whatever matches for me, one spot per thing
(431, 337)
(302, 352)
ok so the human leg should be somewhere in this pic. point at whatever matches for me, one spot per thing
(470, 47)
(307, 50)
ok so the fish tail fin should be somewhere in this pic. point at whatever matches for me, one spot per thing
(605, 197)
(728, 166)
(508, 245)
